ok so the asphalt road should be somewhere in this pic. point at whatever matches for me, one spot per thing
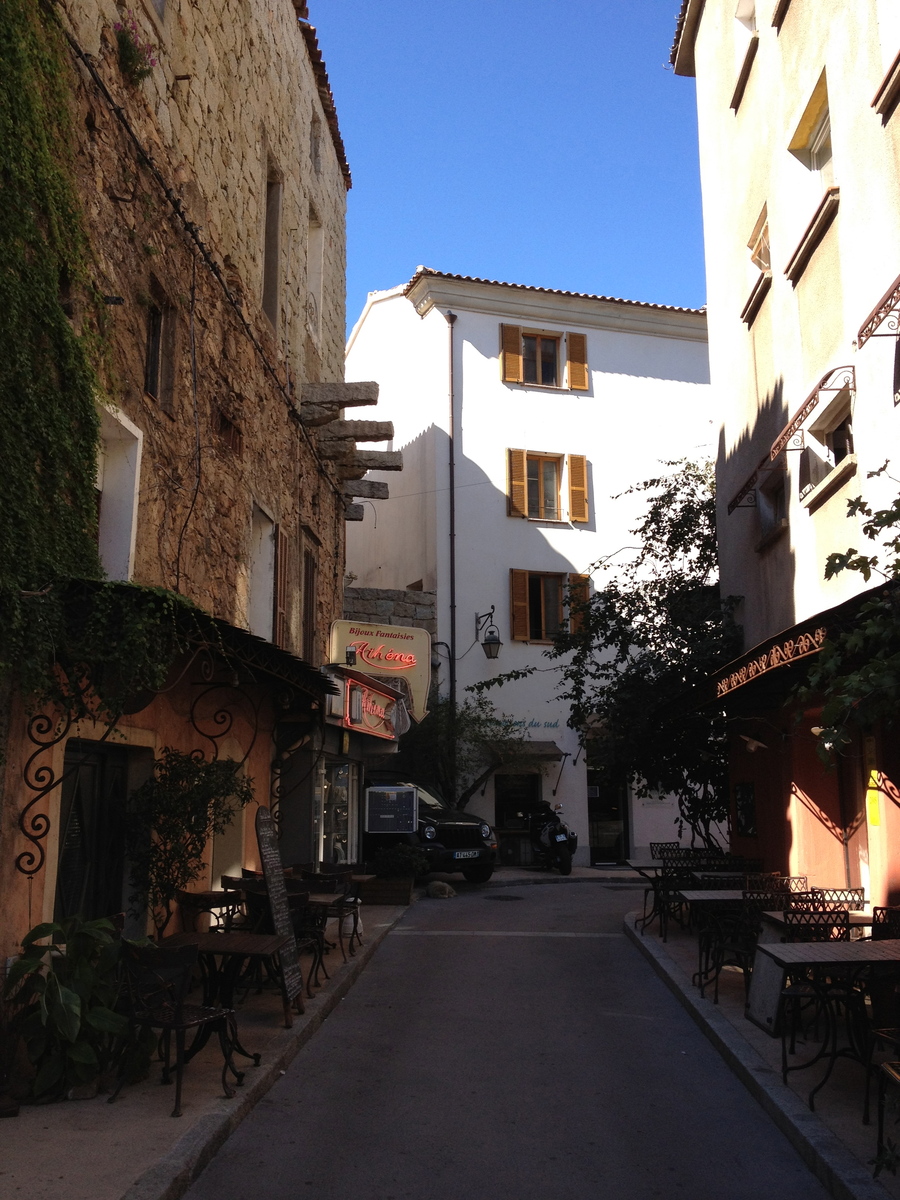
(509, 1043)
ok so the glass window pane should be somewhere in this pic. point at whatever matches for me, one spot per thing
(551, 489)
(535, 624)
(552, 602)
(534, 487)
(529, 359)
(548, 361)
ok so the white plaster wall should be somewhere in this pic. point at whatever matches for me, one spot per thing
(648, 401)
(800, 333)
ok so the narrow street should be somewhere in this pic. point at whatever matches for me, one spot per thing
(509, 1043)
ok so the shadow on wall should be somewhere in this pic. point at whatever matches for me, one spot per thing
(754, 508)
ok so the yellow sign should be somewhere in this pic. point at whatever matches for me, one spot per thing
(399, 654)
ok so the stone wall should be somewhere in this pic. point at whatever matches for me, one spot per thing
(383, 606)
(230, 107)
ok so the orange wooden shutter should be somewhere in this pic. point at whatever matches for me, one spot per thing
(511, 353)
(518, 591)
(578, 594)
(279, 622)
(517, 490)
(576, 362)
(578, 488)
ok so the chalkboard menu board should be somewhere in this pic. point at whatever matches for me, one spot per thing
(270, 857)
(392, 810)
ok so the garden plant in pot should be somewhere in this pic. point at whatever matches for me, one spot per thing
(396, 868)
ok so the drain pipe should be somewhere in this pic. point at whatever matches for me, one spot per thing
(451, 467)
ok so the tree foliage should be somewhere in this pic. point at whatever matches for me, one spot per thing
(171, 818)
(635, 665)
(858, 669)
(485, 742)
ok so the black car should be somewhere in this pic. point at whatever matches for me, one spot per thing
(451, 840)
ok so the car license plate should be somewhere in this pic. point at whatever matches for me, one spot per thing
(465, 853)
(562, 837)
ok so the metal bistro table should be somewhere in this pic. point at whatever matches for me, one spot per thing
(817, 958)
(697, 899)
(649, 869)
(220, 977)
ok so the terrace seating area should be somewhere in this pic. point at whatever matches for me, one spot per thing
(812, 971)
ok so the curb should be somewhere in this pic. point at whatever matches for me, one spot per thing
(171, 1176)
(839, 1171)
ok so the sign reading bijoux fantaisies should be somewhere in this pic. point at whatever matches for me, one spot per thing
(393, 652)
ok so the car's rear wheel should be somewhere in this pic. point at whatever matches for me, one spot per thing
(564, 860)
(478, 874)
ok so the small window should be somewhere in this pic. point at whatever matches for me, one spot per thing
(543, 487)
(315, 143)
(536, 602)
(811, 143)
(771, 503)
(540, 359)
(309, 605)
(535, 484)
(829, 442)
(272, 248)
(535, 357)
(159, 358)
(745, 13)
(230, 435)
(759, 242)
(315, 252)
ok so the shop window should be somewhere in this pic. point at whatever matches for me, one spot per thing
(515, 794)
(745, 810)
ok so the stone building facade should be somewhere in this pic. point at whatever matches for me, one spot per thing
(214, 196)
(387, 606)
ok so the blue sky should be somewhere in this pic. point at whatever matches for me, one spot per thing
(533, 142)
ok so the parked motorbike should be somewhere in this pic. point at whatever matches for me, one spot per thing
(552, 842)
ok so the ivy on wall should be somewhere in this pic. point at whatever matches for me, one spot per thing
(66, 637)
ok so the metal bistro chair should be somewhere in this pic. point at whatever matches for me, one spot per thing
(851, 898)
(816, 925)
(343, 908)
(157, 983)
(884, 1000)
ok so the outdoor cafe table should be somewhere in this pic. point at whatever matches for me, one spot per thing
(856, 919)
(220, 978)
(817, 958)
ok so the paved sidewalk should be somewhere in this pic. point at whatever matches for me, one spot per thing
(133, 1149)
(832, 1140)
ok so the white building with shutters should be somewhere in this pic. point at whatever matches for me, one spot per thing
(523, 413)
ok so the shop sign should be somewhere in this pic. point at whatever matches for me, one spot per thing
(368, 711)
(389, 652)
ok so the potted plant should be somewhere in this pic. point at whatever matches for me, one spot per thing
(172, 816)
(64, 996)
(396, 868)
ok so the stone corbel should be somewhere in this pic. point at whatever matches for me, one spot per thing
(366, 489)
(356, 465)
(322, 402)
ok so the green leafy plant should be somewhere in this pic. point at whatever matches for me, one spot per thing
(484, 741)
(171, 818)
(858, 668)
(400, 861)
(136, 57)
(65, 993)
(49, 429)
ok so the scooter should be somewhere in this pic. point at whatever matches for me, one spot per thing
(552, 842)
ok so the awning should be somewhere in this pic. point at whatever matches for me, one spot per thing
(548, 750)
(768, 670)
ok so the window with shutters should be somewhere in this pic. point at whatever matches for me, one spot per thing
(544, 358)
(536, 603)
(280, 607)
(309, 605)
(536, 483)
(159, 356)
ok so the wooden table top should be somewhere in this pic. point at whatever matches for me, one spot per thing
(250, 945)
(708, 894)
(831, 953)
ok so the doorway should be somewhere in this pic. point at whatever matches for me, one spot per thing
(607, 812)
(91, 868)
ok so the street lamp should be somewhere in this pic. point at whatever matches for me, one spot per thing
(490, 643)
